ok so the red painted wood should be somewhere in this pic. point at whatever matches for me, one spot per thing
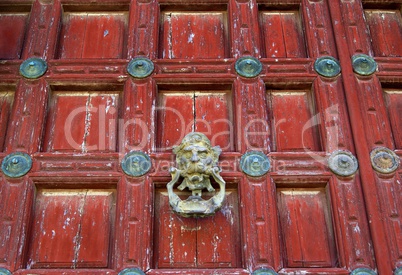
(393, 102)
(193, 35)
(82, 122)
(209, 242)
(93, 35)
(293, 111)
(6, 100)
(306, 227)
(386, 31)
(12, 31)
(283, 34)
(67, 222)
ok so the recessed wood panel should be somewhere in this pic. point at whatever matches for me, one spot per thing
(293, 120)
(205, 112)
(72, 228)
(386, 31)
(82, 122)
(210, 242)
(306, 227)
(12, 33)
(193, 35)
(283, 34)
(6, 100)
(393, 101)
(93, 35)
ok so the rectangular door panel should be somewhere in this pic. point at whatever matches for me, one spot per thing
(12, 32)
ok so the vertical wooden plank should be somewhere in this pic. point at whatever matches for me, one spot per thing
(12, 30)
(307, 229)
(143, 23)
(193, 35)
(283, 34)
(245, 32)
(213, 117)
(43, 28)
(6, 100)
(137, 127)
(25, 129)
(386, 31)
(93, 35)
(393, 102)
(293, 112)
(175, 118)
(251, 116)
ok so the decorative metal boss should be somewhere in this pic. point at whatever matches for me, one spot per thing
(264, 271)
(131, 271)
(136, 164)
(255, 164)
(363, 64)
(197, 161)
(384, 160)
(248, 66)
(33, 68)
(327, 66)
(16, 165)
(140, 67)
(363, 271)
(343, 163)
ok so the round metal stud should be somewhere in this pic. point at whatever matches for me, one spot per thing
(327, 66)
(384, 160)
(264, 271)
(33, 68)
(16, 165)
(398, 271)
(4, 271)
(136, 164)
(363, 271)
(248, 66)
(343, 163)
(131, 271)
(255, 164)
(140, 67)
(363, 64)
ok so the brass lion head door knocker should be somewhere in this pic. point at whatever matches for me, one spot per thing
(197, 161)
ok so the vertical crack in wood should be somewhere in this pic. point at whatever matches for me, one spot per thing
(87, 124)
(78, 237)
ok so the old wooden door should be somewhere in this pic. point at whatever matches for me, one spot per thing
(269, 79)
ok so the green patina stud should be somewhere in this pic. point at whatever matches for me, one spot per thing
(33, 68)
(363, 271)
(131, 271)
(140, 67)
(264, 271)
(327, 66)
(136, 164)
(343, 163)
(255, 164)
(363, 64)
(248, 66)
(16, 165)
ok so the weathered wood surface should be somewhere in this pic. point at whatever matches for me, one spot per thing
(76, 212)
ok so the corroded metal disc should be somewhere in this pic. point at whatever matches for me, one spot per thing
(264, 271)
(33, 68)
(384, 160)
(140, 67)
(363, 271)
(248, 66)
(4, 271)
(343, 163)
(327, 66)
(363, 64)
(16, 165)
(131, 271)
(136, 164)
(255, 164)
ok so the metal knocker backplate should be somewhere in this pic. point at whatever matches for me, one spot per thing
(248, 66)
(136, 164)
(140, 67)
(255, 164)
(16, 165)
(196, 163)
(33, 68)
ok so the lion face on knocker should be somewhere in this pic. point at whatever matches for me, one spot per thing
(195, 158)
